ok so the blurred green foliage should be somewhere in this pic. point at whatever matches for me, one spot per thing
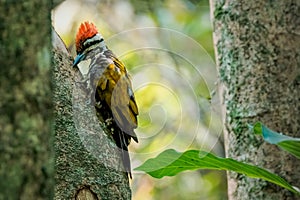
(167, 47)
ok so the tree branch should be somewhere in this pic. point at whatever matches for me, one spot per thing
(86, 159)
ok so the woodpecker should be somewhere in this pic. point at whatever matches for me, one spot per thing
(110, 88)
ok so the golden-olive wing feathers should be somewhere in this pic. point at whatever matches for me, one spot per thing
(123, 103)
(115, 90)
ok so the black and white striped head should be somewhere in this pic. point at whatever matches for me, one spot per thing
(87, 38)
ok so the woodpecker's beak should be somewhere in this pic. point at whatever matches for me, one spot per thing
(78, 58)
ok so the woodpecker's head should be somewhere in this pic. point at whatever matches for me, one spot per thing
(87, 38)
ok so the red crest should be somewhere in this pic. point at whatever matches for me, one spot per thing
(85, 31)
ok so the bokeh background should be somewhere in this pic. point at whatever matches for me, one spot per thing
(167, 47)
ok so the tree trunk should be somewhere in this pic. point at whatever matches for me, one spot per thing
(257, 47)
(88, 165)
(26, 158)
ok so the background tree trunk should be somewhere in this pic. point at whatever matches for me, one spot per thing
(88, 165)
(257, 46)
(26, 158)
(26, 139)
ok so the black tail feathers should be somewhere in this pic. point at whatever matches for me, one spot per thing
(126, 162)
(122, 141)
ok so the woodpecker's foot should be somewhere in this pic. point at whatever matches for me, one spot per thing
(98, 105)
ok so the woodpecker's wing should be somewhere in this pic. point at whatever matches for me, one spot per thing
(118, 94)
(123, 103)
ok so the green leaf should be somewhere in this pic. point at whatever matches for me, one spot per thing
(171, 162)
(289, 144)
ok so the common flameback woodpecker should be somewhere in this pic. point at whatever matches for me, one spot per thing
(110, 86)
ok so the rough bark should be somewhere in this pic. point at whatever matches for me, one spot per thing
(26, 158)
(257, 47)
(88, 165)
